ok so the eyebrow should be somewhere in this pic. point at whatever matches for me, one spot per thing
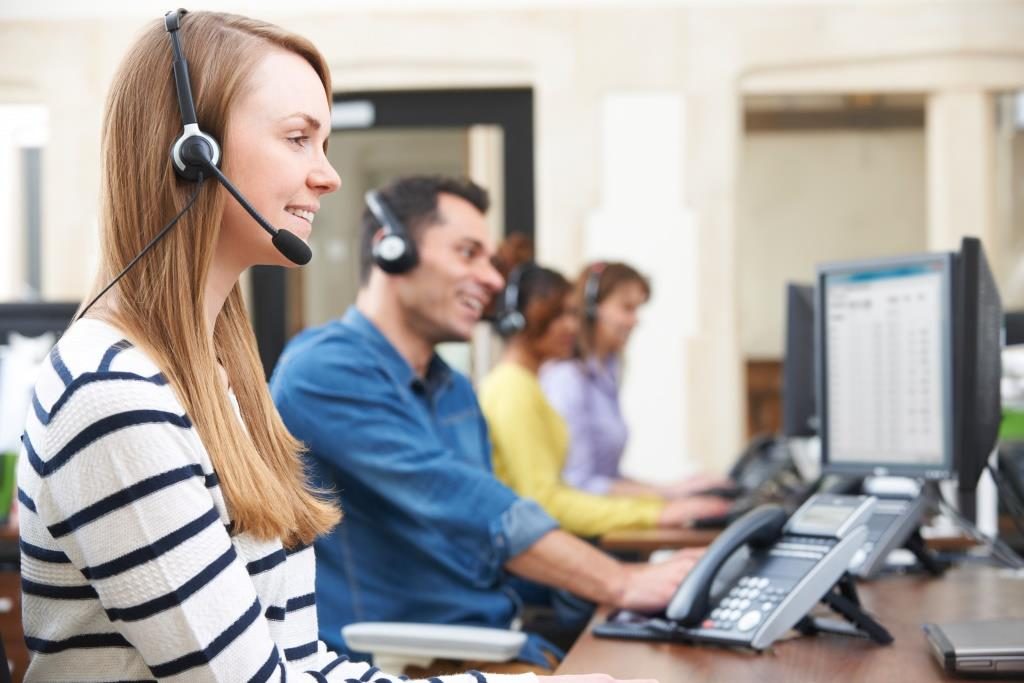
(473, 242)
(310, 120)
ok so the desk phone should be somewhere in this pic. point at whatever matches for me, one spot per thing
(895, 523)
(763, 575)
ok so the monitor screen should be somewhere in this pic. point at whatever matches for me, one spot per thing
(885, 366)
(799, 416)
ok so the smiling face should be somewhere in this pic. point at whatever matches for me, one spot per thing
(275, 153)
(445, 295)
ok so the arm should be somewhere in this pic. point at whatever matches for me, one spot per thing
(363, 435)
(128, 503)
(529, 455)
(564, 561)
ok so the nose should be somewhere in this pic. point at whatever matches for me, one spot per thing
(323, 178)
(490, 277)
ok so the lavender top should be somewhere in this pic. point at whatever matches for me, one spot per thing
(586, 395)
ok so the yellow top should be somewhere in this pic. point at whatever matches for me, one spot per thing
(530, 442)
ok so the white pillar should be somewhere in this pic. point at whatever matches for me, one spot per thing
(642, 221)
(961, 127)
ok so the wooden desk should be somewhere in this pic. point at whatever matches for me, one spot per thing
(646, 541)
(900, 603)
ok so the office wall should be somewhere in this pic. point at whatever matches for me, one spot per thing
(574, 56)
(816, 196)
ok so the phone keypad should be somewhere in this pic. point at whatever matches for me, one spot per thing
(745, 606)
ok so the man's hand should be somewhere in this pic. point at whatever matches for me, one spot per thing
(650, 587)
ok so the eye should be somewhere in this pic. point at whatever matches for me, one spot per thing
(299, 140)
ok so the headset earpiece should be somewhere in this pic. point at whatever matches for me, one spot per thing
(395, 252)
(193, 150)
(591, 290)
(510, 320)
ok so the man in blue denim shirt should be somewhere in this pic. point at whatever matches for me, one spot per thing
(429, 534)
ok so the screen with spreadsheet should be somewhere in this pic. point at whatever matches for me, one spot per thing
(884, 349)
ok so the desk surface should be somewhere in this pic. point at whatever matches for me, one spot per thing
(646, 541)
(900, 603)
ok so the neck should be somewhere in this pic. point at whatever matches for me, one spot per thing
(219, 282)
(386, 315)
(603, 350)
(519, 353)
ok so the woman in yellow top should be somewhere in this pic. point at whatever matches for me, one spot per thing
(539, 320)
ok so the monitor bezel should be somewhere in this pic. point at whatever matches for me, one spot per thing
(931, 471)
(794, 380)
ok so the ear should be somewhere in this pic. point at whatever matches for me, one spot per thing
(378, 236)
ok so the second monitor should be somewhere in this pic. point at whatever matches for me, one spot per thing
(885, 357)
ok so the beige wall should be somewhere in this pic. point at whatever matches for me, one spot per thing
(572, 57)
(810, 197)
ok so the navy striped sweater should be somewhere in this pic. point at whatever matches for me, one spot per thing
(128, 570)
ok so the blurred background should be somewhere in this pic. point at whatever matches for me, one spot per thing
(723, 148)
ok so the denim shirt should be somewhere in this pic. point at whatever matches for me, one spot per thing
(427, 528)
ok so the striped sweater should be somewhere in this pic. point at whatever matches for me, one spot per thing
(129, 572)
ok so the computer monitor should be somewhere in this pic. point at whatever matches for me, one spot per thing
(979, 334)
(885, 370)
(799, 416)
(1014, 322)
(34, 319)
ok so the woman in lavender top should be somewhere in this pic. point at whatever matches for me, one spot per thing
(585, 389)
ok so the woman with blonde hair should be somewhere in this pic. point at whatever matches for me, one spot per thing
(166, 516)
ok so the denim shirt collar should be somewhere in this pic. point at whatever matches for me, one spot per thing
(438, 376)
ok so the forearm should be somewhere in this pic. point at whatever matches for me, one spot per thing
(629, 487)
(561, 560)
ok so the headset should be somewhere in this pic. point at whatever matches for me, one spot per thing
(395, 252)
(591, 289)
(195, 156)
(510, 320)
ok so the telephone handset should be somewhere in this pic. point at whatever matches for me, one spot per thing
(762, 576)
(758, 528)
(764, 473)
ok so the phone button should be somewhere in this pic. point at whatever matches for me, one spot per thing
(749, 620)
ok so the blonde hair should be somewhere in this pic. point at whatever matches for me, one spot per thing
(159, 302)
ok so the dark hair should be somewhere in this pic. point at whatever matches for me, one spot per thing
(413, 199)
(541, 298)
(612, 276)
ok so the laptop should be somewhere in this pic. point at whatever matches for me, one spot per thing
(983, 649)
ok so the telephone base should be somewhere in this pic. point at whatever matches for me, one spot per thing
(844, 601)
(929, 562)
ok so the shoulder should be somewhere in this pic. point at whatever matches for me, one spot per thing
(93, 372)
(328, 354)
(509, 385)
(102, 413)
(562, 373)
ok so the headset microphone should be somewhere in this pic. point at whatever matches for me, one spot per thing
(289, 244)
